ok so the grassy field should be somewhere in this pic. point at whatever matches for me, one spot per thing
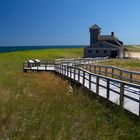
(133, 48)
(129, 64)
(37, 106)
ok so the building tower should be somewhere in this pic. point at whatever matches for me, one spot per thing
(95, 31)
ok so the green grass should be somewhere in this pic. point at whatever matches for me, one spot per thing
(37, 106)
(133, 48)
(129, 64)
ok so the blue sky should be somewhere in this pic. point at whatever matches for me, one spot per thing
(66, 22)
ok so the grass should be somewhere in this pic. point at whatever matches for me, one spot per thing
(133, 48)
(128, 64)
(37, 106)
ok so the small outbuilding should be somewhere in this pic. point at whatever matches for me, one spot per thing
(103, 45)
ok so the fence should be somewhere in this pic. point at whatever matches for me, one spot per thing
(114, 72)
(124, 94)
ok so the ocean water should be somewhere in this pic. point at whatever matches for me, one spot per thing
(23, 48)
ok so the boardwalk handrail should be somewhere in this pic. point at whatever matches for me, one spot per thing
(125, 90)
(28, 65)
(115, 90)
(114, 72)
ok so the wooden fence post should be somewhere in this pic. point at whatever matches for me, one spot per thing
(97, 85)
(122, 94)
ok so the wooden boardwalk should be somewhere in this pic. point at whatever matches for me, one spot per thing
(123, 93)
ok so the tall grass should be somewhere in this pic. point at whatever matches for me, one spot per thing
(43, 106)
(129, 64)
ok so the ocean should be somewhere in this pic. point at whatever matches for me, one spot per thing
(23, 48)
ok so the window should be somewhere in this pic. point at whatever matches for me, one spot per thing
(101, 45)
(97, 51)
(105, 51)
(89, 51)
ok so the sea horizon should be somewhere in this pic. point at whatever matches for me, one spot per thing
(36, 47)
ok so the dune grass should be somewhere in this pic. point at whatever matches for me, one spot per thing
(133, 48)
(129, 64)
(41, 105)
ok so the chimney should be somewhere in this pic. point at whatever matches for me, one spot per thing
(112, 34)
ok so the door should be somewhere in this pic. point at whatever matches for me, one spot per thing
(114, 54)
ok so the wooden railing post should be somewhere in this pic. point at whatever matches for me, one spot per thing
(74, 73)
(90, 68)
(112, 72)
(108, 88)
(86, 66)
(105, 71)
(83, 78)
(122, 94)
(78, 75)
(97, 85)
(37, 65)
(60, 68)
(139, 103)
(94, 69)
(90, 81)
(120, 74)
(70, 73)
(45, 66)
(67, 71)
(99, 70)
(64, 69)
(131, 78)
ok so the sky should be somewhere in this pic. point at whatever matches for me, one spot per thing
(66, 22)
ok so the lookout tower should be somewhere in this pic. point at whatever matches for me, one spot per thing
(95, 31)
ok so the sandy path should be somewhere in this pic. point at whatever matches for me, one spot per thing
(135, 54)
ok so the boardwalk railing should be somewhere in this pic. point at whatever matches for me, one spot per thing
(44, 64)
(114, 72)
(124, 94)
(75, 61)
